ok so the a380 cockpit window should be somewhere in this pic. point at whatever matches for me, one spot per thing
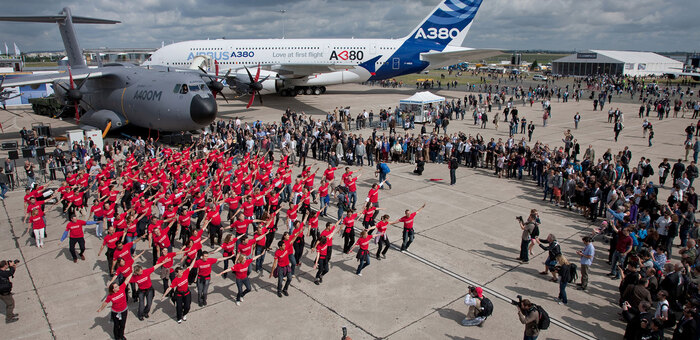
(177, 88)
(194, 87)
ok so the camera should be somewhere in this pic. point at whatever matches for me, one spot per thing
(15, 261)
(519, 218)
(517, 303)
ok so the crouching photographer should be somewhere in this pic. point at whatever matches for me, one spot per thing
(529, 315)
(7, 270)
(480, 307)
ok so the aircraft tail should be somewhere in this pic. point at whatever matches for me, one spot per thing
(65, 23)
(448, 23)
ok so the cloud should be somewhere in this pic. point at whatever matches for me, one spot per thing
(507, 24)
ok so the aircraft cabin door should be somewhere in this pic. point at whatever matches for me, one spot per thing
(395, 63)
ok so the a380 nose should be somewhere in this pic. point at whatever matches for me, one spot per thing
(203, 110)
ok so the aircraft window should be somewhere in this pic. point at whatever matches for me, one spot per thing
(177, 88)
(184, 89)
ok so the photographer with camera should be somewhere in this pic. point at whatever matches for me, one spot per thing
(530, 231)
(7, 270)
(480, 307)
(529, 316)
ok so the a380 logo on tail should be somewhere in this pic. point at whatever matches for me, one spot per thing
(435, 33)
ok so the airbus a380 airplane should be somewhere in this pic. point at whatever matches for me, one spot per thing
(306, 66)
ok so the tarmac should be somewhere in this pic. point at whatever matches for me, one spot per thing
(467, 234)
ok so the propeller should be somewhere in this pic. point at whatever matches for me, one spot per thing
(214, 85)
(255, 86)
(74, 95)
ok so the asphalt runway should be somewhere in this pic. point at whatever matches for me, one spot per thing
(467, 234)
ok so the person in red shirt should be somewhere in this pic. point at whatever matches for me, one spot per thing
(167, 272)
(383, 239)
(351, 184)
(363, 253)
(348, 230)
(36, 223)
(142, 277)
(213, 219)
(203, 266)
(281, 267)
(117, 297)
(321, 249)
(324, 197)
(408, 232)
(110, 240)
(369, 213)
(241, 269)
(183, 297)
(74, 229)
(373, 195)
(329, 173)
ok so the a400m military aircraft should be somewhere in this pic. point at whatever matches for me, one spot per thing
(114, 95)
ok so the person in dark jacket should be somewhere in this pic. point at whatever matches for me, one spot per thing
(554, 250)
(638, 319)
(686, 329)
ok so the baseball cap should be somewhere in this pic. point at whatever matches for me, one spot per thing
(479, 292)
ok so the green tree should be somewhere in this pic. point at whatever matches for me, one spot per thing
(534, 65)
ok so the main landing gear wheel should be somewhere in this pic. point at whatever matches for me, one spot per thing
(323, 89)
(307, 91)
(316, 91)
(299, 91)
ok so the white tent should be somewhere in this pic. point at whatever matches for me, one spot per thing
(423, 105)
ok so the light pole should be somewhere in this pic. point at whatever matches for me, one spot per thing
(283, 11)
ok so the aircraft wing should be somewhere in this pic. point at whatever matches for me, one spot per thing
(459, 55)
(305, 70)
(51, 77)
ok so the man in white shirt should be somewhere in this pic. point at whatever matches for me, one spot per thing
(473, 300)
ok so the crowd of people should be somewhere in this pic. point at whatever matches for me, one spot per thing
(138, 191)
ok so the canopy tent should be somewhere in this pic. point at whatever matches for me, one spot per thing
(422, 105)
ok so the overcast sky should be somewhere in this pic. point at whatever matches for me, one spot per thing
(507, 24)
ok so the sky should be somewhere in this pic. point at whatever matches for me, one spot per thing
(563, 25)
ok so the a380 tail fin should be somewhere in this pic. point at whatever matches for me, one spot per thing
(448, 23)
(65, 23)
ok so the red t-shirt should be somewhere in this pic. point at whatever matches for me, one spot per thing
(180, 283)
(330, 174)
(349, 222)
(204, 267)
(329, 235)
(246, 248)
(185, 219)
(248, 208)
(241, 226)
(282, 256)
(37, 222)
(167, 260)
(124, 252)
(111, 240)
(382, 226)
(373, 195)
(241, 269)
(364, 242)
(369, 212)
(118, 299)
(75, 229)
(323, 190)
(351, 184)
(214, 216)
(143, 280)
(408, 221)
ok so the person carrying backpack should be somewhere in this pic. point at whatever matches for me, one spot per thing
(480, 308)
(383, 170)
(567, 274)
(529, 315)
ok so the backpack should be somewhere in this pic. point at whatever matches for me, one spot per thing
(535, 231)
(671, 322)
(384, 168)
(543, 322)
(486, 308)
(573, 273)
(5, 285)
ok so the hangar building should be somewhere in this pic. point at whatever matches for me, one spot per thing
(615, 62)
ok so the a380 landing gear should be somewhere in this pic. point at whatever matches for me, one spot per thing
(303, 90)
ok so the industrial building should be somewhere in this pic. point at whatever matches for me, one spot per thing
(628, 63)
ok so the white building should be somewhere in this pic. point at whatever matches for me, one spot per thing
(629, 63)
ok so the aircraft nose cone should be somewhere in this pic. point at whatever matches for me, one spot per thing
(203, 110)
